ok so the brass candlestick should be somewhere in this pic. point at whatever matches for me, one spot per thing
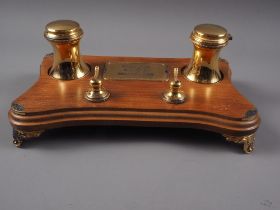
(174, 95)
(97, 93)
(64, 36)
(208, 39)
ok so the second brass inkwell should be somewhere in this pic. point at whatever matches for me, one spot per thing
(208, 39)
(131, 91)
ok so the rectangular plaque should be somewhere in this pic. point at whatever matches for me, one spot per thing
(135, 71)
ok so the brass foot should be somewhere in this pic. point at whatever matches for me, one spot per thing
(20, 136)
(247, 141)
(18, 143)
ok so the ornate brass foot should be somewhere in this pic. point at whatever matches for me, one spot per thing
(20, 136)
(247, 141)
(18, 143)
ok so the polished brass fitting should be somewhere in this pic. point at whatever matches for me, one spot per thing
(64, 36)
(174, 95)
(97, 93)
(208, 39)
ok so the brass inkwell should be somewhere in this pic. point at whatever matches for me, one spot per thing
(208, 40)
(64, 36)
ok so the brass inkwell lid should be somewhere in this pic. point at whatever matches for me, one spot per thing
(210, 36)
(63, 31)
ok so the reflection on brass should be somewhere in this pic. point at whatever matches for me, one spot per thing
(20, 136)
(174, 95)
(135, 71)
(247, 141)
(97, 93)
(64, 36)
(208, 39)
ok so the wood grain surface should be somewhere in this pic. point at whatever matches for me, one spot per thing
(52, 103)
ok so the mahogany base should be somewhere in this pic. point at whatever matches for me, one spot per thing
(52, 103)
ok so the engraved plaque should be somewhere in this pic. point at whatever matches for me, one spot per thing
(135, 71)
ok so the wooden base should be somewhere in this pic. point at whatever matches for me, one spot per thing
(52, 103)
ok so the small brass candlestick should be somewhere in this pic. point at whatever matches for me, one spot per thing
(97, 92)
(64, 36)
(174, 95)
